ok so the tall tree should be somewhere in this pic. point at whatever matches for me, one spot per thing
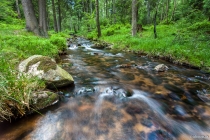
(18, 9)
(31, 21)
(148, 11)
(97, 20)
(43, 17)
(167, 9)
(54, 16)
(155, 19)
(59, 15)
(134, 17)
(173, 11)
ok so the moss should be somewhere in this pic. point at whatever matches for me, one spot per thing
(45, 102)
(45, 63)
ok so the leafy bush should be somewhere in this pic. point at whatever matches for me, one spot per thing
(109, 32)
(204, 25)
(58, 41)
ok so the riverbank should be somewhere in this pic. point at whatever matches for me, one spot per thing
(16, 45)
(182, 43)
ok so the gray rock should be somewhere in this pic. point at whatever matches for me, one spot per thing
(42, 99)
(46, 68)
(161, 68)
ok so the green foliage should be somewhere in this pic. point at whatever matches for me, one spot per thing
(204, 25)
(207, 7)
(7, 13)
(58, 41)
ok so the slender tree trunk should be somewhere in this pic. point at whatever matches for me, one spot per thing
(59, 16)
(18, 9)
(134, 17)
(155, 24)
(54, 16)
(97, 20)
(106, 3)
(148, 12)
(43, 17)
(91, 7)
(167, 9)
(172, 15)
(114, 12)
(155, 20)
(31, 21)
(162, 13)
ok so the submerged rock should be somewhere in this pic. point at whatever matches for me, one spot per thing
(205, 98)
(160, 135)
(42, 99)
(161, 68)
(46, 68)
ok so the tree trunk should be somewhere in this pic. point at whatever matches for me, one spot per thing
(155, 20)
(31, 21)
(91, 7)
(134, 17)
(59, 16)
(114, 12)
(106, 3)
(54, 16)
(18, 9)
(97, 20)
(155, 23)
(148, 12)
(172, 15)
(43, 17)
(167, 9)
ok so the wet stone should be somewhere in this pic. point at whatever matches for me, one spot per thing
(126, 127)
(174, 96)
(173, 88)
(128, 76)
(141, 135)
(132, 110)
(179, 110)
(68, 95)
(156, 80)
(159, 96)
(160, 135)
(146, 122)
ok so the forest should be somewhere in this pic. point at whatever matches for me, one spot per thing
(177, 31)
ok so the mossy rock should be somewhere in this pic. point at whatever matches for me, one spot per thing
(43, 99)
(46, 69)
(46, 63)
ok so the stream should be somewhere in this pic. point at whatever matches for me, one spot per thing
(119, 96)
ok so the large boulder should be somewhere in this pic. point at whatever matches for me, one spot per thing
(161, 68)
(46, 68)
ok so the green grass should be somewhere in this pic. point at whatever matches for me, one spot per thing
(17, 44)
(181, 44)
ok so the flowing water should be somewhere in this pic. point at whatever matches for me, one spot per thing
(119, 96)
